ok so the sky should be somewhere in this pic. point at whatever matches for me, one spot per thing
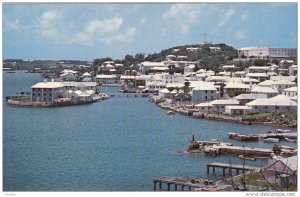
(97, 30)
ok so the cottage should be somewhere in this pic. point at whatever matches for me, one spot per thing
(293, 70)
(234, 89)
(266, 83)
(46, 91)
(258, 76)
(246, 98)
(282, 171)
(279, 103)
(204, 107)
(164, 93)
(290, 92)
(204, 92)
(270, 92)
(237, 110)
(282, 84)
(106, 79)
(219, 105)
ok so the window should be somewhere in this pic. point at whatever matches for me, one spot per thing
(205, 91)
(255, 107)
(211, 97)
(44, 94)
(212, 91)
(205, 97)
(277, 107)
(266, 107)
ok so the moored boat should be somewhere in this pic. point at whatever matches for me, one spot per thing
(272, 140)
(247, 158)
(170, 112)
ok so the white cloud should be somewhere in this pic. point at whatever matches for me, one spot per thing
(105, 25)
(50, 24)
(226, 17)
(244, 17)
(241, 35)
(49, 17)
(126, 36)
(183, 14)
(12, 25)
(142, 21)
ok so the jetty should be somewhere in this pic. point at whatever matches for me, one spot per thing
(215, 148)
(180, 183)
(258, 137)
(230, 167)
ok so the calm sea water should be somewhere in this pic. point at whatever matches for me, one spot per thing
(118, 144)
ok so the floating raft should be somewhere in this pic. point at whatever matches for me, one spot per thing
(183, 182)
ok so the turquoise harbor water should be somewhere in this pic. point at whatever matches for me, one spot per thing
(118, 144)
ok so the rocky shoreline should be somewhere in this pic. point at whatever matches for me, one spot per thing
(189, 110)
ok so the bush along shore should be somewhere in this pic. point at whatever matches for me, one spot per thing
(273, 119)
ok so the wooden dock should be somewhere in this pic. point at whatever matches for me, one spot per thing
(186, 184)
(230, 167)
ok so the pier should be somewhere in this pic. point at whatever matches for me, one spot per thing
(230, 167)
(180, 183)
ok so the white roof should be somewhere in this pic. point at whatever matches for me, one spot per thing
(108, 62)
(204, 105)
(259, 67)
(153, 64)
(291, 89)
(86, 74)
(266, 83)
(205, 86)
(237, 85)
(279, 77)
(105, 76)
(240, 72)
(250, 96)
(291, 162)
(109, 66)
(174, 91)
(225, 102)
(78, 84)
(165, 90)
(174, 85)
(284, 82)
(279, 100)
(48, 85)
(257, 75)
(229, 66)
(250, 80)
(238, 107)
(261, 89)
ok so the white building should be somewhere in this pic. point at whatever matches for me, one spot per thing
(219, 105)
(290, 92)
(237, 110)
(46, 91)
(204, 92)
(279, 103)
(269, 92)
(147, 66)
(265, 52)
(106, 79)
(293, 70)
(258, 69)
(282, 84)
(246, 98)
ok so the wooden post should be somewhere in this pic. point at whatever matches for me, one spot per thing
(168, 186)
(154, 186)
(182, 187)
(207, 170)
(160, 185)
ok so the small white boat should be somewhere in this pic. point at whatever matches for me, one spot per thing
(290, 140)
(247, 158)
(272, 140)
(170, 112)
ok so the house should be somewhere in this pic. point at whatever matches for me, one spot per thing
(234, 89)
(293, 70)
(258, 69)
(204, 107)
(282, 84)
(237, 110)
(46, 91)
(258, 76)
(246, 98)
(266, 83)
(283, 168)
(284, 66)
(145, 67)
(270, 92)
(219, 105)
(106, 79)
(204, 92)
(290, 92)
(164, 93)
(279, 103)
(230, 68)
(189, 69)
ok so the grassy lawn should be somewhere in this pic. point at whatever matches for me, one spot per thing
(252, 179)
